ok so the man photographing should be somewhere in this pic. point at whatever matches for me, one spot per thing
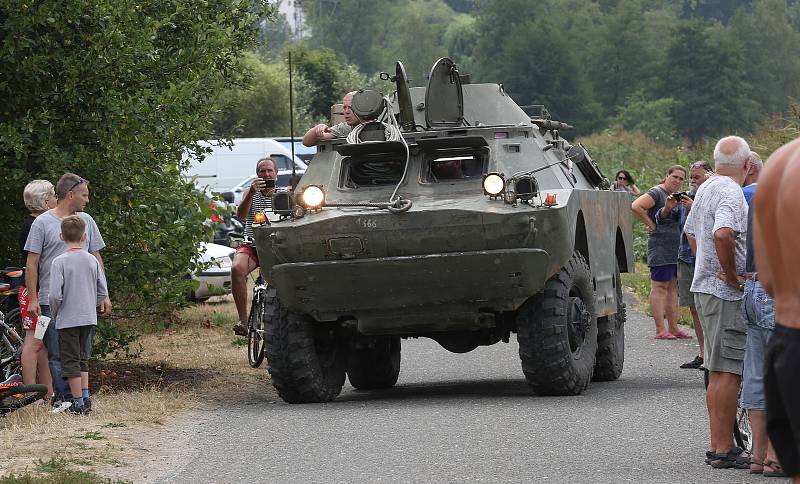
(258, 198)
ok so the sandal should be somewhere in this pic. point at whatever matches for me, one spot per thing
(754, 462)
(665, 335)
(777, 469)
(736, 458)
(681, 334)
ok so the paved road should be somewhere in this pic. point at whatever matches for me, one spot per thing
(455, 418)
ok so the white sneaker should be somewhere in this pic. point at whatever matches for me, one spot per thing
(61, 407)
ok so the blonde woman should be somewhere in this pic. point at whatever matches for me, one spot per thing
(39, 197)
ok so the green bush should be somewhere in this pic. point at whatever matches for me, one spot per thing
(115, 91)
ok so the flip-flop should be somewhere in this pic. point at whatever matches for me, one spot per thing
(681, 334)
(777, 469)
(666, 335)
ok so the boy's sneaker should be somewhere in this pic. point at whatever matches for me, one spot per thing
(87, 403)
(76, 410)
(60, 406)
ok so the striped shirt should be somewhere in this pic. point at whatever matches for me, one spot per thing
(259, 203)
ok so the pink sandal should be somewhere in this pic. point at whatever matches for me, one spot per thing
(681, 334)
(665, 335)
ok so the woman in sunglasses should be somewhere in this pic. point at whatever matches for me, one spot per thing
(624, 183)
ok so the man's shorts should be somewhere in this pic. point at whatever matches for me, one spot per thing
(28, 320)
(664, 273)
(685, 276)
(783, 396)
(249, 251)
(725, 333)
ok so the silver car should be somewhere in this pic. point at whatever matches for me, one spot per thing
(215, 280)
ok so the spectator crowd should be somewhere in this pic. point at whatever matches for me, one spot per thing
(701, 255)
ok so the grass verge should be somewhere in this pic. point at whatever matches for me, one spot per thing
(180, 368)
(638, 283)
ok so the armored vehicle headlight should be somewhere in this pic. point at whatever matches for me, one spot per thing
(493, 184)
(312, 197)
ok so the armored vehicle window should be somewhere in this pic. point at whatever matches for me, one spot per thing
(361, 171)
(454, 164)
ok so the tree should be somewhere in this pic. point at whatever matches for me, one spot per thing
(706, 78)
(770, 46)
(116, 91)
(535, 60)
(262, 108)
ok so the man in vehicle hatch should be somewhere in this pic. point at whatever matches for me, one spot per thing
(322, 131)
(256, 199)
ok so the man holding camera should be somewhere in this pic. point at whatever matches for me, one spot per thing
(256, 199)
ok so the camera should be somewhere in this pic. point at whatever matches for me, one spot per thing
(268, 183)
(679, 195)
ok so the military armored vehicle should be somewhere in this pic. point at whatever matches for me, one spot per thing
(456, 216)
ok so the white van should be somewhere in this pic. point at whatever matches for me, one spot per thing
(224, 167)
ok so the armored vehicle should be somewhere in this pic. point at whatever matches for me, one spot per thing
(452, 215)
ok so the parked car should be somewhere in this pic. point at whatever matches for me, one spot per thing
(301, 151)
(215, 280)
(225, 165)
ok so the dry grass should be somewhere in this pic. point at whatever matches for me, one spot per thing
(180, 367)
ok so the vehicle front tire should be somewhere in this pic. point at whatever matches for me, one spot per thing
(376, 366)
(611, 340)
(557, 332)
(306, 361)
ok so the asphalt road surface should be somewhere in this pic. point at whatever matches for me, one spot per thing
(456, 418)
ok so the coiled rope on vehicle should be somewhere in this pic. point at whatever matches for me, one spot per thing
(392, 132)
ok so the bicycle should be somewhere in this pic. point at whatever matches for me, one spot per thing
(15, 395)
(10, 347)
(256, 323)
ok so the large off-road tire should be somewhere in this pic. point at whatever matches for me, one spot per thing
(306, 361)
(611, 340)
(557, 332)
(375, 366)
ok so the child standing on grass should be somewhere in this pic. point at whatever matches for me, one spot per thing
(77, 287)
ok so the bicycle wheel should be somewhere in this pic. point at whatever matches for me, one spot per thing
(14, 397)
(255, 331)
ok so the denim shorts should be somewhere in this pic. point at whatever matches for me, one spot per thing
(752, 397)
(758, 308)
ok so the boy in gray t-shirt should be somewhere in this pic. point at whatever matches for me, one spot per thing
(77, 288)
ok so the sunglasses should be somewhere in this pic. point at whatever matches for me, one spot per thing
(621, 178)
(80, 180)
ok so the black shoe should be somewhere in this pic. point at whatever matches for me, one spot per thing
(76, 410)
(695, 364)
(240, 329)
(87, 403)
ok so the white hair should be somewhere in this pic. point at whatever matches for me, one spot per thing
(755, 160)
(724, 158)
(36, 194)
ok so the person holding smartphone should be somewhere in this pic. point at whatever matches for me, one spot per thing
(258, 198)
